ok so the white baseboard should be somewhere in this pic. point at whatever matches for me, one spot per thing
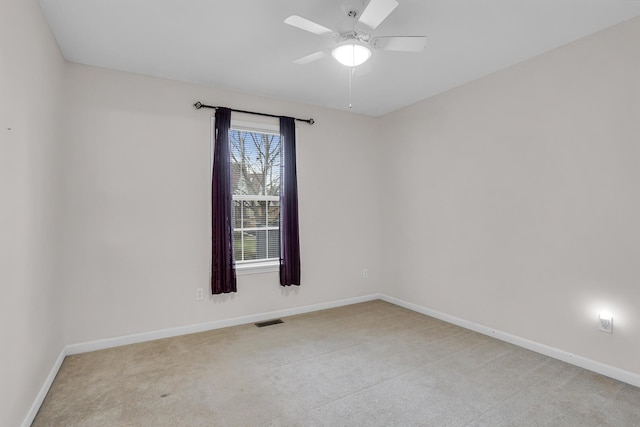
(207, 326)
(583, 362)
(35, 406)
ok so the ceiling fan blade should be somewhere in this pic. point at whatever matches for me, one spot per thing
(310, 58)
(305, 24)
(376, 12)
(400, 43)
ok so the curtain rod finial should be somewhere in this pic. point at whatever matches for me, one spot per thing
(311, 121)
(198, 105)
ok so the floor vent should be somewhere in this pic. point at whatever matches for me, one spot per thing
(268, 323)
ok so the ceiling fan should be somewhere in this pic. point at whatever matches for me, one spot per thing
(354, 33)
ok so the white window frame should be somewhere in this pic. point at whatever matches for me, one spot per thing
(253, 267)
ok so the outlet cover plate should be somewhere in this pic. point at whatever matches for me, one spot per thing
(605, 324)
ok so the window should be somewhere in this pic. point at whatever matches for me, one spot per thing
(249, 165)
(255, 152)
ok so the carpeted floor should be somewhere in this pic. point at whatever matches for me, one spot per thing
(369, 364)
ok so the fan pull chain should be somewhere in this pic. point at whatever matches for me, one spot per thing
(351, 69)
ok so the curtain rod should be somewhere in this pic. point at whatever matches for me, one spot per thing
(200, 105)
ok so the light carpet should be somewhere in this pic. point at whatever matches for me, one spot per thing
(369, 364)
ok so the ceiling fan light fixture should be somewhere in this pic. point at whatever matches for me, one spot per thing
(351, 54)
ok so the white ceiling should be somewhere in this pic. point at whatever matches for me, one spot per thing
(245, 46)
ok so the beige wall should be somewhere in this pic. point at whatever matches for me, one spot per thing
(30, 323)
(136, 174)
(515, 199)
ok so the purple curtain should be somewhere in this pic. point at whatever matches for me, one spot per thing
(289, 229)
(223, 272)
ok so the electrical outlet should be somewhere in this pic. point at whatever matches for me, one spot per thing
(199, 294)
(605, 324)
(365, 273)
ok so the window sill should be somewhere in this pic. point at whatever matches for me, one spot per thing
(258, 268)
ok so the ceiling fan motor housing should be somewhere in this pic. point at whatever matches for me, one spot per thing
(353, 35)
